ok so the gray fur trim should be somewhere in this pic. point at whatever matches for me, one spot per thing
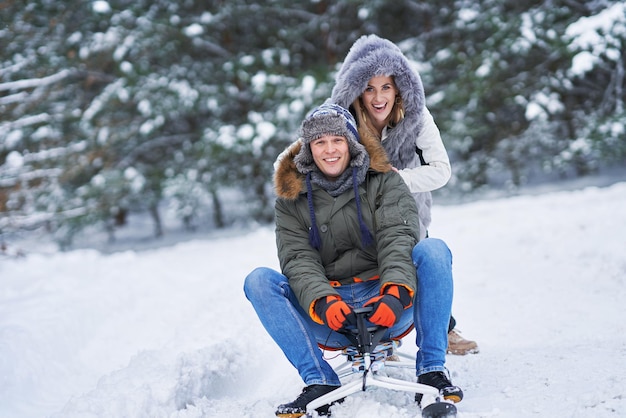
(372, 56)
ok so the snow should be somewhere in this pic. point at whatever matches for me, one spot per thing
(193, 30)
(595, 36)
(101, 6)
(36, 82)
(167, 332)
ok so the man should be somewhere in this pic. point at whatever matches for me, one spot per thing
(347, 234)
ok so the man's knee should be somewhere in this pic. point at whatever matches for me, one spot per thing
(257, 281)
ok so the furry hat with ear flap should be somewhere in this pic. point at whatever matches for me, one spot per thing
(289, 180)
(329, 119)
(372, 56)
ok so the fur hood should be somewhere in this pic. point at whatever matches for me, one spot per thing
(289, 182)
(372, 56)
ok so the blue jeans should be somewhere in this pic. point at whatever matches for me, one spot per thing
(298, 335)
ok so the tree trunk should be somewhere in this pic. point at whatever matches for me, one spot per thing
(156, 217)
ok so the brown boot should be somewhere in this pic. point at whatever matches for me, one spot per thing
(459, 345)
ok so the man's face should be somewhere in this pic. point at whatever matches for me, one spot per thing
(331, 155)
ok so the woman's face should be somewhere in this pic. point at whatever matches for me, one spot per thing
(378, 99)
(331, 155)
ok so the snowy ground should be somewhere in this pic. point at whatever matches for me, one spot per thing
(167, 332)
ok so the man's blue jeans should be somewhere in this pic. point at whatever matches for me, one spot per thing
(298, 335)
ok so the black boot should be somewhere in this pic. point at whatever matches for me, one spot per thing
(297, 408)
(440, 381)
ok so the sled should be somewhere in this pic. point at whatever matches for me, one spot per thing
(368, 374)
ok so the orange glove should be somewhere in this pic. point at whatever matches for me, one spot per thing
(335, 313)
(388, 307)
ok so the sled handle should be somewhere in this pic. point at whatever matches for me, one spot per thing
(363, 337)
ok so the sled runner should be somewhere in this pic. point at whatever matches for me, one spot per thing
(365, 361)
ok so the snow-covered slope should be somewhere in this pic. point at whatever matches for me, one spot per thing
(540, 283)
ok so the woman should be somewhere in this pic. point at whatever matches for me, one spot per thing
(386, 97)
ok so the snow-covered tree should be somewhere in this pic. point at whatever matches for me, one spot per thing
(112, 107)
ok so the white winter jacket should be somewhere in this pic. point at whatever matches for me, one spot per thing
(436, 172)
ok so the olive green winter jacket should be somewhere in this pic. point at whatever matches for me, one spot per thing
(388, 209)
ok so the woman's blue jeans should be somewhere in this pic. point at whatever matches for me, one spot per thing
(298, 335)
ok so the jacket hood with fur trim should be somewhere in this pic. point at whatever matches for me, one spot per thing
(289, 183)
(372, 56)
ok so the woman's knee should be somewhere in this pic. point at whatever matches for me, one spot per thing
(433, 249)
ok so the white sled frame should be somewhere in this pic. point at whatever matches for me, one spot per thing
(369, 378)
